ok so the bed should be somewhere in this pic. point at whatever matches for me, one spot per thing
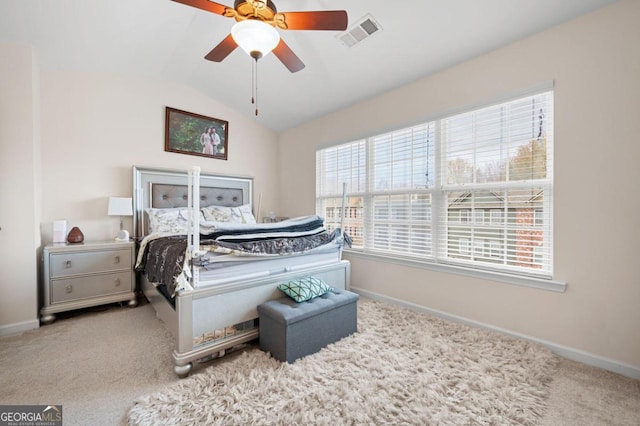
(211, 306)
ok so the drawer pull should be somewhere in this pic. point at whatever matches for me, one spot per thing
(68, 289)
(117, 259)
(67, 264)
(117, 282)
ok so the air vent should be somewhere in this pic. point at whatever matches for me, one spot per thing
(362, 30)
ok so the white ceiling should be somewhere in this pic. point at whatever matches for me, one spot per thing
(168, 40)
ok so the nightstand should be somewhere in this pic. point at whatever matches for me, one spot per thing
(87, 274)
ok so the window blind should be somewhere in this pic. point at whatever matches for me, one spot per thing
(473, 189)
(344, 164)
(496, 169)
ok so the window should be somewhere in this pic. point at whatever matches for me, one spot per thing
(539, 217)
(496, 216)
(463, 246)
(495, 248)
(472, 189)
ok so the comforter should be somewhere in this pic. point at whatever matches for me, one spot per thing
(162, 257)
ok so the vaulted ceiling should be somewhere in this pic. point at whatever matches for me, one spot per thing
(168, 40)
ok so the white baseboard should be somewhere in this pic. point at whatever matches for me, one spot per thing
(564, 351)
(18, 327)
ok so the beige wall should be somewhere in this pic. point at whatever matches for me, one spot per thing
(19, 182)
(97, 126)
(93, 129)
(595, 63)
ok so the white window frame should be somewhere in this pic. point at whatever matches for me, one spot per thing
(464, 246)
(495, 248)
(538, 217)
(437, 194)
(496, 216)
(465, 216)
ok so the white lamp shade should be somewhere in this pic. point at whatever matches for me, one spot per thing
(120, 206)
(255, 36)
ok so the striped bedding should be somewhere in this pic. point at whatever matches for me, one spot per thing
(162, 256)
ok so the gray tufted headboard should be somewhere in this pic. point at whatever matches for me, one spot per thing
(166, 196)
(160, 188)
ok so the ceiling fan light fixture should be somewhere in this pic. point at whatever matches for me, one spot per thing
(255, 37)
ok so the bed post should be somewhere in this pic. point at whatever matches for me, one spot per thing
(196, 208)
(344, 206)
(193, 228)
(189, 205)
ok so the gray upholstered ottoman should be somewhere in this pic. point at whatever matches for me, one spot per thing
(291, 330)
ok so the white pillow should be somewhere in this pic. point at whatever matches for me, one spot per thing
(173, 220)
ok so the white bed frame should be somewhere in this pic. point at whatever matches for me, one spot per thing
(208, 311)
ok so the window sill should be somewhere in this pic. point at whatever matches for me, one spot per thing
(540, 283)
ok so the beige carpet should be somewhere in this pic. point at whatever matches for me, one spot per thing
(401, 367)
(97, 362)
(94, 364)
(582, 395)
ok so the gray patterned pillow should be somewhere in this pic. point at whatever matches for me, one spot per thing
(247, 214)
(241, 214)
(220, 214)
(170, 220)
(304, 289)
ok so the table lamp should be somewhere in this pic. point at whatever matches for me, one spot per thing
(121, 206)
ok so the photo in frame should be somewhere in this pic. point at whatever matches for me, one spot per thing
(195, 134)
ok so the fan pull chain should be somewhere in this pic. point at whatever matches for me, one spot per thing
(254, 84)
(255, 90)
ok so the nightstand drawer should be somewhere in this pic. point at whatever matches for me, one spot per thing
(68, 264)
(64, 290)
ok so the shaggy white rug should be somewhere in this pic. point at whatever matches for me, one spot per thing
(402, 367)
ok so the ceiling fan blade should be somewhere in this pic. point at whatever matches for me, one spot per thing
(222, 50)
(333, 20)
(287, 57)
(205, 5)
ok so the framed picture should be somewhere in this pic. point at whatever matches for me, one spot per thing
(195, 134)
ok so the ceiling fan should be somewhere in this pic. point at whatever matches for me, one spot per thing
(262, 15)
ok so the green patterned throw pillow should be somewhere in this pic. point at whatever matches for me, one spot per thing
(305, 288)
